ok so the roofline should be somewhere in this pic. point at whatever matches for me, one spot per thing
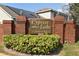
(46, 11)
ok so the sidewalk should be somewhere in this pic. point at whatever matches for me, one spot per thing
(3, 54)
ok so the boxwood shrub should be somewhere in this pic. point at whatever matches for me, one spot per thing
(32, 44)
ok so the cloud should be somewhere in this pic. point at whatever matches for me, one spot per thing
(66, 3)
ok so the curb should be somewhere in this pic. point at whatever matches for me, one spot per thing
(14, 53)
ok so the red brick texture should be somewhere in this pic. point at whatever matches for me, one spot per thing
(66, 31)
(7, 26)
(20, 25)
(1, 34)
(20, 28)
(58, 26)
(70, 31)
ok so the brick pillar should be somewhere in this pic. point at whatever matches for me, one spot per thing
(20, 25)
(1, 34)
(58, 27)
(70, 32)
(7, 26)
(53, 26)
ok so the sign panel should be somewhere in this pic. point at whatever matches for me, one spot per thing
(40, 26)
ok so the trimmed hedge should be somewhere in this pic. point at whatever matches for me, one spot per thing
(32, 44)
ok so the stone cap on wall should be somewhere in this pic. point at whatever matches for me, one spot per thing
(38, 19)
(70, 21)
(21, 18)
(59, 18)
(7, 21)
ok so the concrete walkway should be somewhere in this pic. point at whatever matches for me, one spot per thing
(3, 54)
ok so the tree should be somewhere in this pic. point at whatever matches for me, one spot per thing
(74, 10)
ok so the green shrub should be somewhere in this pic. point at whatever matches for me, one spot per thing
(33, 44)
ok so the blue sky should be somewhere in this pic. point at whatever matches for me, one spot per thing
(36, 6)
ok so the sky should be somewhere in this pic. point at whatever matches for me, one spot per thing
(36, 6)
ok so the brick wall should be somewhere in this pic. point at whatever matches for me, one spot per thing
(20, 25)
(70, 30)
(67, 31)
(7, 26)
(58, 26)
(1, 34)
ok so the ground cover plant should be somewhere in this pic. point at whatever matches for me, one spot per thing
(32, 44)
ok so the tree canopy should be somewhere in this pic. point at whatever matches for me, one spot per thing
(74, 10)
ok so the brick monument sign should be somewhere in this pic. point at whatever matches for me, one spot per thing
(68, 31)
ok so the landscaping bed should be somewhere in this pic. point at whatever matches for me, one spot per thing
(32, 44)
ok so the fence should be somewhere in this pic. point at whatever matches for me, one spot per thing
(1, 34)
(22, 25)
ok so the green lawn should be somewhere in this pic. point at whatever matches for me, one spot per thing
(70, 50)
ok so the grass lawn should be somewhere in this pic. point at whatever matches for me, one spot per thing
(70, 50)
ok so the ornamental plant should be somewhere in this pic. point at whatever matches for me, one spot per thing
(32, 44)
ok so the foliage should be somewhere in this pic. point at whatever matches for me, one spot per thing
(74, 10)
(70, 49)
(32, 44)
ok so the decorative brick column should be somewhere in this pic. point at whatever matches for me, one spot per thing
(70, 30)
(20, 25)
(7, 26)
(58, 27)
